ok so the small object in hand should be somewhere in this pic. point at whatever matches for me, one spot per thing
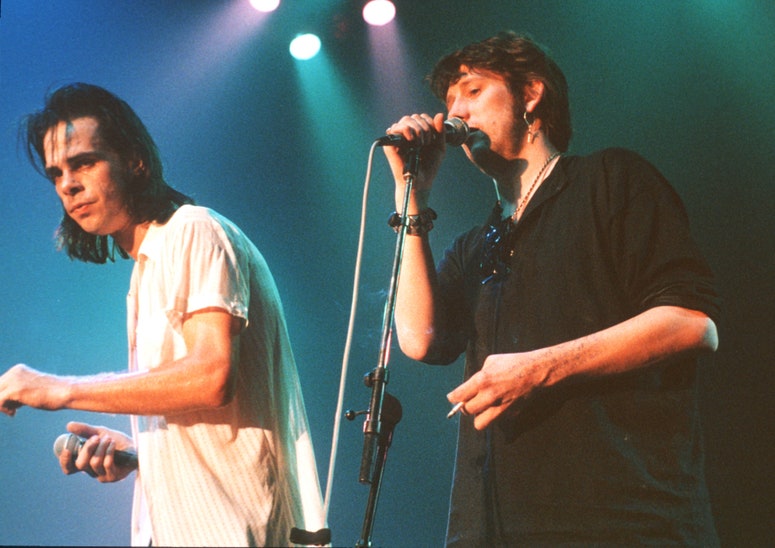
(458, 407)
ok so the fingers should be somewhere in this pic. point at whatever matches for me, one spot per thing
(483, 414)
(421, 129)
(67, 462)
(424, 133)
(479, 398)
(475, 405)
(102, 461)
(485, 418)
(96, 460)
(465, 394)
(9, 407)
(95, 457)
(9, 401)
(82, 429)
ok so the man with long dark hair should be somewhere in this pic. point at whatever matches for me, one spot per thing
(581, 306)
(218, 421)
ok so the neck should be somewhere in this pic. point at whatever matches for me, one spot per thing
(131, 237)
(530, 169)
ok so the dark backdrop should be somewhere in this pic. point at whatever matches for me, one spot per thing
(281, 148)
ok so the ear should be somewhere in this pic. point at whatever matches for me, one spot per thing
(534, 92)
(136, 167)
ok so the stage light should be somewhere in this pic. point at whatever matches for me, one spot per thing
(379, 12)
(305, 46)
(265, 6)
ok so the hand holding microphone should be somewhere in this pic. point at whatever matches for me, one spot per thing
(455, 133)
(98, 464)
(423, 136)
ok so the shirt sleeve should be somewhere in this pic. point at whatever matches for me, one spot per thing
(457, 295)
(658, 261)
(206, 270)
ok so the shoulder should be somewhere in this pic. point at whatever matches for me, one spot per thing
(192, 225)
(612, 161)
(191, 214)
(614, 179)
(618, 170)
(197, 218)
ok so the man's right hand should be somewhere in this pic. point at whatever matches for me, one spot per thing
(428, 133)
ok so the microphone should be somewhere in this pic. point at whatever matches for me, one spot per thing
(455, 133)
(74, 444)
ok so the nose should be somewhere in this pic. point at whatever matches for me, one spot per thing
(457, 110)
(68, 184)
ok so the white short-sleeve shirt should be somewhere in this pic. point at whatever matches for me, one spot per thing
(243, 474)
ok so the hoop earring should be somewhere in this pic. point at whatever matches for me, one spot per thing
(530, 134)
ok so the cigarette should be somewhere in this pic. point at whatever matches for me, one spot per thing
(458, 406)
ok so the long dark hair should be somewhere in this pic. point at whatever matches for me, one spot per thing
(147, 196)
(519, 60)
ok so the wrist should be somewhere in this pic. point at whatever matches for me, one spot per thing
(64, 391)
(416, 225)
(418, 201)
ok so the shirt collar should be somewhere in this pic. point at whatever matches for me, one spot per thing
(150, 248)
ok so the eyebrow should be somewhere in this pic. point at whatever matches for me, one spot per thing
(52, 171)
(463, 80)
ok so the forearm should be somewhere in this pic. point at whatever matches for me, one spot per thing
(172, 388)
(651, 337)
(205, 377)
(416, 302)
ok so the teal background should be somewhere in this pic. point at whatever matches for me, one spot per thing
(281, 148)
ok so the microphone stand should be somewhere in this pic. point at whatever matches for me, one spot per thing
(384, 410)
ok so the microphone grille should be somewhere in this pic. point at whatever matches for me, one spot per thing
(59, 444)
(65, 441)
(458, 133)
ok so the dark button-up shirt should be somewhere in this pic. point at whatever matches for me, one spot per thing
(613, 460)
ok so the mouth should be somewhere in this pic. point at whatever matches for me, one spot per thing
(79, 208)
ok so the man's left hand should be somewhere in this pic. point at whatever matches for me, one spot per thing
(505, 382)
